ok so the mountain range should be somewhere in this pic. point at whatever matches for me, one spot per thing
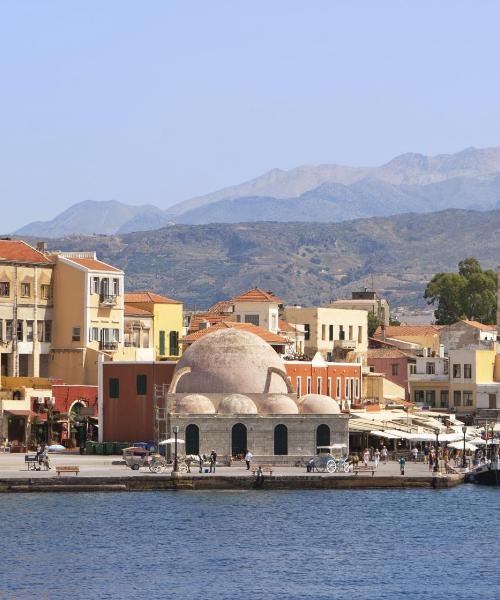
(469, 179)
(305, 263)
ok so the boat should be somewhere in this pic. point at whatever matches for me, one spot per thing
(488, 474)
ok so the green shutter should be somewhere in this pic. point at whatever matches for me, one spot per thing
(162, 343)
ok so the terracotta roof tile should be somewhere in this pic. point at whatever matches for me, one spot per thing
(399, 331)
(150, 297)
(267, 336)
(479, 325)
(257, 295)
(196, 319)
(284, 326)
(19, 251)
(94, 265)
(387, 353)
(133, 311)
(221, 307)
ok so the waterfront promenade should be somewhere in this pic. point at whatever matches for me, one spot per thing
(109, 472)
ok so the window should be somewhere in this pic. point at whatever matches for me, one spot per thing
(430, 397)
(114, 387)
(360, 334)
(309, 385)
(330, 333)
(174, 343)
(29, 331)
(76, 334)
(467, 398)
(430, 368)
(323, 332)
(20, 335)
(8, 329)
(457, 398)
(444, 398)
(25, 290)
(141, 385)
(95, 285)
(162, 343)
(253, 319)
(48, 331)
(356, 388)
(95, 334)
(299, 387)
(323, 435)
(341, 332)
(347, 395)
(457, 371)
(116, 287)
(280, 440)
(192, 439)
(413, 369)
(238, 318)
(307, 331)
(4, 288)
(467, 371)
(45, 291)
(116, 335)
(351, 336)
(418, 396)
(338, 393)
(329, 386)
(492, 400)
(319, 381)
(395, 369)
(274, 325)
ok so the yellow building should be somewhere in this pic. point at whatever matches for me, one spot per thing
(407, 337)
(25, 310)
(88, 317)
(167, 321)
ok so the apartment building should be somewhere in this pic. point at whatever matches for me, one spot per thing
(257, 307)
(26, 310)
(366, 300)
(333, 332)
(411, 337)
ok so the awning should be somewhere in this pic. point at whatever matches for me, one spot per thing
(21, 413)
(385, 434)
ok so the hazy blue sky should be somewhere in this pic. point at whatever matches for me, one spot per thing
(158, 101)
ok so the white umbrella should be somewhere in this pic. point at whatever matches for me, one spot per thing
(477, 441)
(171, 441)
(460, 446)
(55, 448)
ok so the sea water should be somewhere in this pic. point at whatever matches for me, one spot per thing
(317, 545)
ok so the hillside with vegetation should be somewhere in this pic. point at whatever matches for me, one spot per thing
(304, 263)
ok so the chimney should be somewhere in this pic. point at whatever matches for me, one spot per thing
(41, 247)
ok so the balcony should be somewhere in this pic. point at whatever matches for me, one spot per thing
(108, 346)
(415, 377)
(108, 300)
(345, 344)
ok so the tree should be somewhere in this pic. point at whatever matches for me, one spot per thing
(373, 323)
(468, 294)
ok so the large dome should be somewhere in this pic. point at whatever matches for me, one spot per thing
(278, 404)
(195, 404)
(231, 361)
(319, 405)
(237, 404)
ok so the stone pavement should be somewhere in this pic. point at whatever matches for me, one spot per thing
(13, 466)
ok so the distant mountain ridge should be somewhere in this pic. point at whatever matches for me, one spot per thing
(469, 179)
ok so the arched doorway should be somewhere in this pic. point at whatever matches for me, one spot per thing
(280, 440)
(238, 439)
(192, 439)
(323, 435)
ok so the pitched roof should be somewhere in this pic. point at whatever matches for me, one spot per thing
(149, 297)
(387, 353)
(284, 326)
(133, 311)
(19, 251)
(399, 331)
(94, 265)
(221, 307)
(257, 295)
(479, 325)
(267, 336)
(196, 319)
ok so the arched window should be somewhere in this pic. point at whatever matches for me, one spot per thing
(192, 439)
(238, 439)
(323, 435)
(280, 440)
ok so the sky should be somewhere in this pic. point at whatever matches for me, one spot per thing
(159, 101)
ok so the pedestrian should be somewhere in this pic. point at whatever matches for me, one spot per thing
(376, 457)
(248, 459)
(213, 461)
(426, 454)
(259, 477)
(366, 457)
(384, 454)
(415, 453)
(402, 463)
(201, 458)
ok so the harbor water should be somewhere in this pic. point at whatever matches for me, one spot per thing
(317, 545)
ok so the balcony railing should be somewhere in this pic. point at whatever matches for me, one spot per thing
(108, 346)
(108, 299)
(345, 344)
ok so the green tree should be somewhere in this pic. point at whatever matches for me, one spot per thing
(373, 323)
(468, 294)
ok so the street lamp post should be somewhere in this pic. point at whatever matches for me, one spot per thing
(176, 432)
(436, 462)
(464, 431)
(50, 408)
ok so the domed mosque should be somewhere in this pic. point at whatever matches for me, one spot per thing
(230, 392)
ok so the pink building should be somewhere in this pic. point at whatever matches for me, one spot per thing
(393, 363)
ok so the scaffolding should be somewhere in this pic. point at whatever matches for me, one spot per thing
(160, 414)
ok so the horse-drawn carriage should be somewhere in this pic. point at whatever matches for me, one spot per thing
(136, 457)
(330, 459)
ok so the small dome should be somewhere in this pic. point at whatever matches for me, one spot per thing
(231, 361)
(237, 404)
(195, 404)
(319, 405)
(278, 404)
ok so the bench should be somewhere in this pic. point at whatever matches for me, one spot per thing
(32, 461)
(68, 469)
(264, 468)
(363, 469)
